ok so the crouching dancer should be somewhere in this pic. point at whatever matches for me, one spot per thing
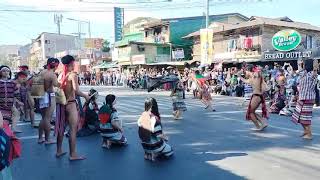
(68, 113)
(110, 125)
(153, 141)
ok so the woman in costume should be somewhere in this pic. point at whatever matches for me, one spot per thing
(110, 124)
(306, 88)
(204, 88)
(9, 95)
(177, 101)
(259, 86)
(153, 141)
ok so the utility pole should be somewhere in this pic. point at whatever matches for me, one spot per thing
(89, 29)
(207, 33)
(207, 13)
(58, 20)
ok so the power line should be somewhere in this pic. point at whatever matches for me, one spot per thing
(117, 3)
(15, 31)
(189, 4)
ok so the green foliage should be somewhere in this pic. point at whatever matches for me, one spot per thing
(4, 61)
(106, 46)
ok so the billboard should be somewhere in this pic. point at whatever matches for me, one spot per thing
(118, 23)
(206, 38)
(93, 43)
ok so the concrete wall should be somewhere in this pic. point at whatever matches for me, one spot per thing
(150, 51)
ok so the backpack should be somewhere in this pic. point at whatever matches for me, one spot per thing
(37, 87)
(105, 114)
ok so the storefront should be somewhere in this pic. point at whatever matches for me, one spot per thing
(288, 47)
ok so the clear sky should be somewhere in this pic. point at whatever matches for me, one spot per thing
(21, 27)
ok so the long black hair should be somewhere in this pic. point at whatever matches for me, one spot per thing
(308, 65)
(110, 98)
(152, 104)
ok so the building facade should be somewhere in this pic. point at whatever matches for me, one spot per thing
(255, 41)
(161, 40)
(46, 45)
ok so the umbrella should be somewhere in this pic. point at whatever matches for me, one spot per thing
(156, 82)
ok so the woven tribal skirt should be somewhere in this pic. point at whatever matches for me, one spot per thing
(303, 112)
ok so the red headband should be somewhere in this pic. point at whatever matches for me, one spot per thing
(64, 75)
(256, 69)
(22, 75)
(23, 68)
(54, 64)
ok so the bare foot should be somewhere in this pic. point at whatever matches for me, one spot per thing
(263, 127)
(307, 137)
(58, 155)
(50, 142)
(303, 134)
(40, 141)
(77, 158)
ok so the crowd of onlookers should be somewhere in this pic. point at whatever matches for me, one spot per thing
(282, 81)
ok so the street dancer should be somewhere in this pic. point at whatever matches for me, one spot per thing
(69, 113)
(204, 90)
(9, 95)
(110, 124)
(48, 101)
(306, 87)
(18, 107)
(153, 141)
(28, 101)
(257, 98)
(177, 101)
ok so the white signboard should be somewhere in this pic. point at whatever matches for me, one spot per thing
(85, 61)
(178, 54)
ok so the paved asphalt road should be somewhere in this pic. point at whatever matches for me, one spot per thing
(208, 145)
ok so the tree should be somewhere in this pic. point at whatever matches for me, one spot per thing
(106, 46)
(5, 61)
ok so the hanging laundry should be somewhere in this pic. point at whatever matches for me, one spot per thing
(248, 43)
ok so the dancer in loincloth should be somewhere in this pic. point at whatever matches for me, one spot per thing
(48, 102)
(69, 113)
(257, 98)
(306, 88)
(26, 98)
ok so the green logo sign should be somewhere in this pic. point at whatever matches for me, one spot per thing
(286, 40)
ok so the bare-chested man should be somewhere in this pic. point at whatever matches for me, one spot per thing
(69, 113)
(259, 86)
(48, 102)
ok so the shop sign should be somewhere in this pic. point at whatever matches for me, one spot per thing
(138, 59)
(178, 54)
(287, 55)
(286, 40)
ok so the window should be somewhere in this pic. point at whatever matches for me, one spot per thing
(309, 42)
(47, 41)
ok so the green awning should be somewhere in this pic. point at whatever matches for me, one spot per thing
(106, 65)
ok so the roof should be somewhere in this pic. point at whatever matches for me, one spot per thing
(256, 21)
(52, 33)
(155, 24)
(211, 16)
(139, 19)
